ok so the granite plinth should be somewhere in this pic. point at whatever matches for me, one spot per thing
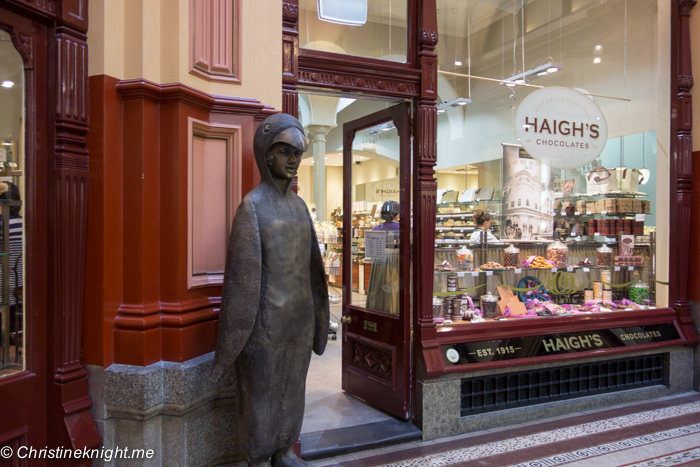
(439, 399)
(171, 408)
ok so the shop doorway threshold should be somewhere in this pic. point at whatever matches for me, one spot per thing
(339, 441)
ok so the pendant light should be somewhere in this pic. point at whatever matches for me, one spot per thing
(646, 173)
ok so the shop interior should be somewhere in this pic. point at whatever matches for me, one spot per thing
(12, 100)
(375, 179)
(546, 220)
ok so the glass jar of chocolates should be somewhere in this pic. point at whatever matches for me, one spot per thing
(605, 256)
(558, 254)
(511, 257)
(489, 305)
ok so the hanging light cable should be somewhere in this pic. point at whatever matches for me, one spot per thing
(389, 28)
(646, 173)
(624, 72)
(522, 31)
(469, 49)
(622, 153)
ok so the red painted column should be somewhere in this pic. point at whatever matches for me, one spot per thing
(681, 163)
(69, 401)
(104, 277)
(426, 348)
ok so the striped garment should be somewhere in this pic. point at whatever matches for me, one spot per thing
(16, 236)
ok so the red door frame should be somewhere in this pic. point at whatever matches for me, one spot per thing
(23, 419)
(367, 354)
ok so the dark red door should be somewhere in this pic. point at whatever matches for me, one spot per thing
(23, 362)
(376, 316)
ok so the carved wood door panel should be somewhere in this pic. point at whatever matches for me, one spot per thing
(376, 325)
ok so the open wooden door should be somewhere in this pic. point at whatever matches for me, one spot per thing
(376, 325)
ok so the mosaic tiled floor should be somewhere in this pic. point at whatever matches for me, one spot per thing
(663, 432)
(677, 458)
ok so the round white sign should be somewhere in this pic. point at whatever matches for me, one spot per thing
(561, 127)
(452, 355)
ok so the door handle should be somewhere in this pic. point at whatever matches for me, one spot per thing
(346, 319)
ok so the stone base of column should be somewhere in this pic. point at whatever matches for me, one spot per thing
(170, 408)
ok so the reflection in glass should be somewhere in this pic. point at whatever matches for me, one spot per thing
(382, 36)
(376, 220)
(12, 95)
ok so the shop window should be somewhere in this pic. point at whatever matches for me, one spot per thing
(355, 27)
(215, 40)
(586, 192)
(214, 192)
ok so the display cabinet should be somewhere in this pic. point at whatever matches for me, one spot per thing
(454, 223)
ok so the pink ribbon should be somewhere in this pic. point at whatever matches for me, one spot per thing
(528, 314)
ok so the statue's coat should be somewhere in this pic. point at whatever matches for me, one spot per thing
(274, 308)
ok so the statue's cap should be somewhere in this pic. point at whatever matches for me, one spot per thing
(294, 137)
(279, 128)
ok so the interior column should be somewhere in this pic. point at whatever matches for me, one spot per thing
(318, 138)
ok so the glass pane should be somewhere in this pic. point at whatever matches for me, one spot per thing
(12, 89)
(492, 56)
(383, 35)
(376, 198)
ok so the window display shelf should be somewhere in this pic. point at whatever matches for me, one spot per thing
(601, 215)
(454, 227)
(457, 214)
(552, 270)
(609, 194)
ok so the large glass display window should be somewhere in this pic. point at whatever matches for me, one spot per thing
(355, 27)
(552, 163)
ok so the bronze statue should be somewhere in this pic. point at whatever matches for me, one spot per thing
(274, 306)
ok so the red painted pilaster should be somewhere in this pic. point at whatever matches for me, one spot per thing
(681, 163)
(68, 185)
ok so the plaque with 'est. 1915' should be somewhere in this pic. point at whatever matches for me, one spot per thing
(554, 344)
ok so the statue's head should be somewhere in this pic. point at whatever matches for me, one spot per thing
(279, 144)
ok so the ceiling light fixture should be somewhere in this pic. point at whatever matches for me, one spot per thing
(541, 70)
(458, 63)
(597, 60)
(8, 84)
(350, 12)
(454, 103)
